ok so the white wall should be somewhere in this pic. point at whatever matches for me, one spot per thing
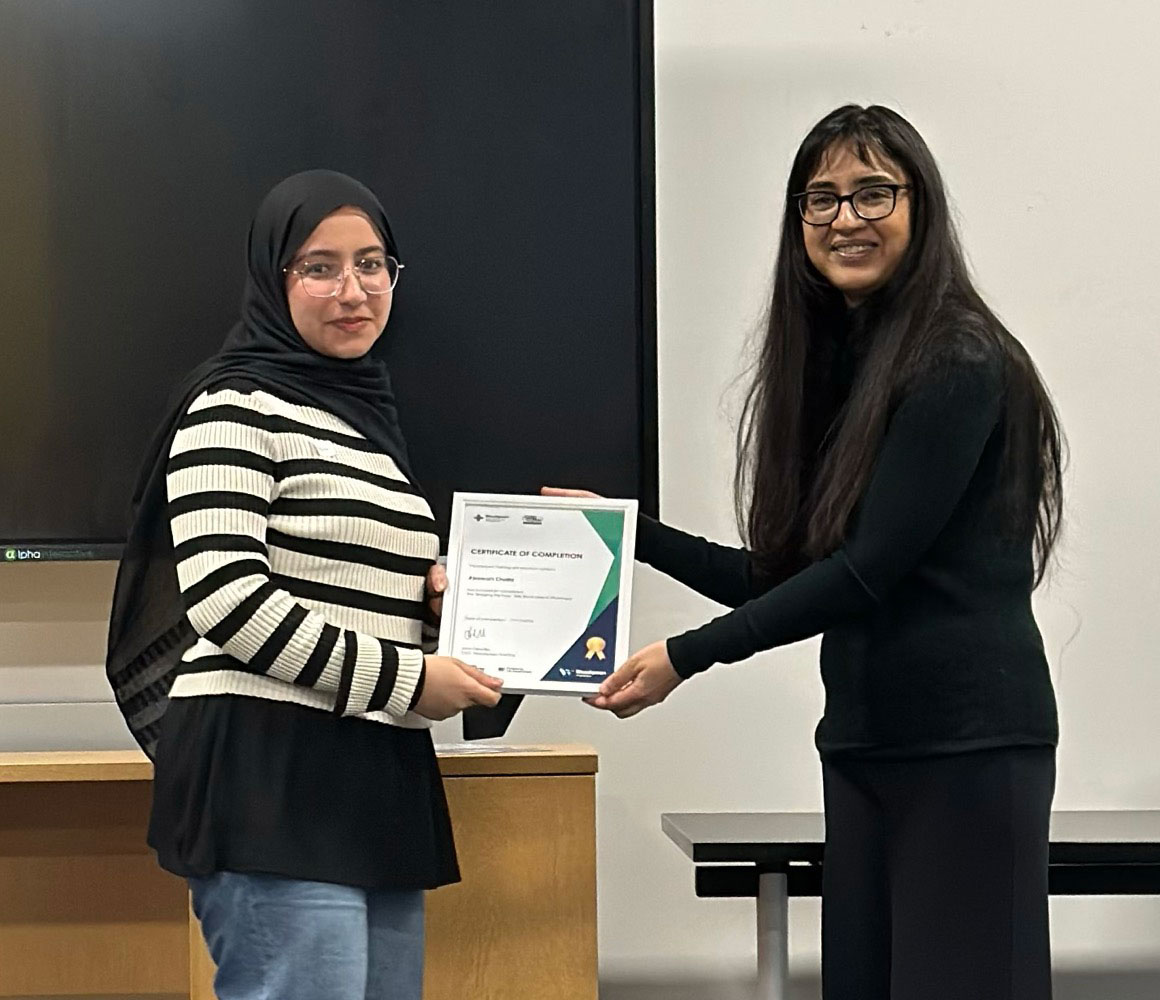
(1044, 118)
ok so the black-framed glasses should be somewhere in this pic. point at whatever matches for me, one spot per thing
(323, 278)
(871, 203)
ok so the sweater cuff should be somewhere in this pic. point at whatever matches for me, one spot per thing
(412, 667)
(367, 667)
(685, 657)
(418, 688)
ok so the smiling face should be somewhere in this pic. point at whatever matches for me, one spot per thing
(854, 255)
(347, 324)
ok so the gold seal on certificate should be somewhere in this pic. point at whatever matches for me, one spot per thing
(539, 589)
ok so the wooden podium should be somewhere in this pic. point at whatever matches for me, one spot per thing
(86, 912)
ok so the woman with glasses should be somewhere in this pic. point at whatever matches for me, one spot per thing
(272, 622)
(899, 487)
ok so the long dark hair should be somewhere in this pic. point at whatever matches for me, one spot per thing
(796, 484)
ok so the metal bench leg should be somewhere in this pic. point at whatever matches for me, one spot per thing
(772, 937)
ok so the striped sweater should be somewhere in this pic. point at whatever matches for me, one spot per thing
(302, 553)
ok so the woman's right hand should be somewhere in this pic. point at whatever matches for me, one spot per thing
(556, 491)
(451, 685)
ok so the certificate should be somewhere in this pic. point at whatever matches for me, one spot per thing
(539, 589)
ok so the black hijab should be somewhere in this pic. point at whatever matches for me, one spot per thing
(148, 628)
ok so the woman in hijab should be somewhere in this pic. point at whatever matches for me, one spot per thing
(272, 620)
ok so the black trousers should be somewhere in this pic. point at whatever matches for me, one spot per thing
(934, 885)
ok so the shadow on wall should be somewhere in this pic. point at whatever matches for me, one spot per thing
(1136, 984)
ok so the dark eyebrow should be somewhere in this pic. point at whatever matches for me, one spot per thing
(869, 180)
(335, 254)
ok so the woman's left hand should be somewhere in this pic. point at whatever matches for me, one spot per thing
(436, 584)
(645, 679)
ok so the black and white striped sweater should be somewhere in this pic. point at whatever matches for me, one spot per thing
(302, 553)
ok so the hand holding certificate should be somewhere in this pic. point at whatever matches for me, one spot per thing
(539, 589)
(645, 679)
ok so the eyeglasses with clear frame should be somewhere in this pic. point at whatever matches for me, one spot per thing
(376, 274)
(870, 203)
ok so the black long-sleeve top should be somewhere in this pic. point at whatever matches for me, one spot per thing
(930, 644)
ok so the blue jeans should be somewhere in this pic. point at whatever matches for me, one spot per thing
(278, 938)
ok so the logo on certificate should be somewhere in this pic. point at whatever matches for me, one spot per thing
(595, 647)
(490, 518)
